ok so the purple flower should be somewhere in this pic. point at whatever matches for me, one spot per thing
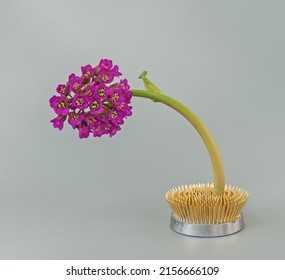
(91, 121)
(123, 85)
(117, 97)
(91, 103)
(125, 109)
(102, 91)
(75, 84)
(84, 132)
(100, 129)
(75, 119)
(115, 71)
(113, 129)
(89, 90)
(53, 99)
(115, 118)
(87, 71)
(71, 77)
(105, 77)
(128, 96)
(96, 106)
(105, 64)
(60, 105)
(106, 128)
(80, 101)
(62, 89)
(58, 122)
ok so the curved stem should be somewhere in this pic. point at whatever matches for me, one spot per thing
(219, 178)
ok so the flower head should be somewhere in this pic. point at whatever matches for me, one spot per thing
(61, 89)
(124, 85)
(105, 64)
(58, 122)
(84, 131)
(75, 84)
(59, 105)
(96, 106)
(87, 71)
(89, 91)
(102, 91)
(117, 96)
(106, 77)
(91, 103)
(80, 102)
(76, 119)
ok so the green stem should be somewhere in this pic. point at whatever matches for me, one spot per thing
(219, 178)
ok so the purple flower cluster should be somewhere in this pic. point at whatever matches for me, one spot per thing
(91, 103)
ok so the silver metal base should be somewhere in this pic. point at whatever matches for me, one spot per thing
(206, 230)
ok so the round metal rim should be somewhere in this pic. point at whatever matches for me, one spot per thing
(206, 230)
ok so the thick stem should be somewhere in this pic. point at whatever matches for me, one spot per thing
(219, 177)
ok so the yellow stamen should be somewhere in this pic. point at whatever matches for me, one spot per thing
(101, 92)
(114, 115)
(61, 104)
(115, 97)
(104, 78)
(95, 105)
(89, 92)
(76, 117)
(76, 85)
(79, 101)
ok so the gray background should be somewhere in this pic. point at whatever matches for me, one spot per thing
(66, 198)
